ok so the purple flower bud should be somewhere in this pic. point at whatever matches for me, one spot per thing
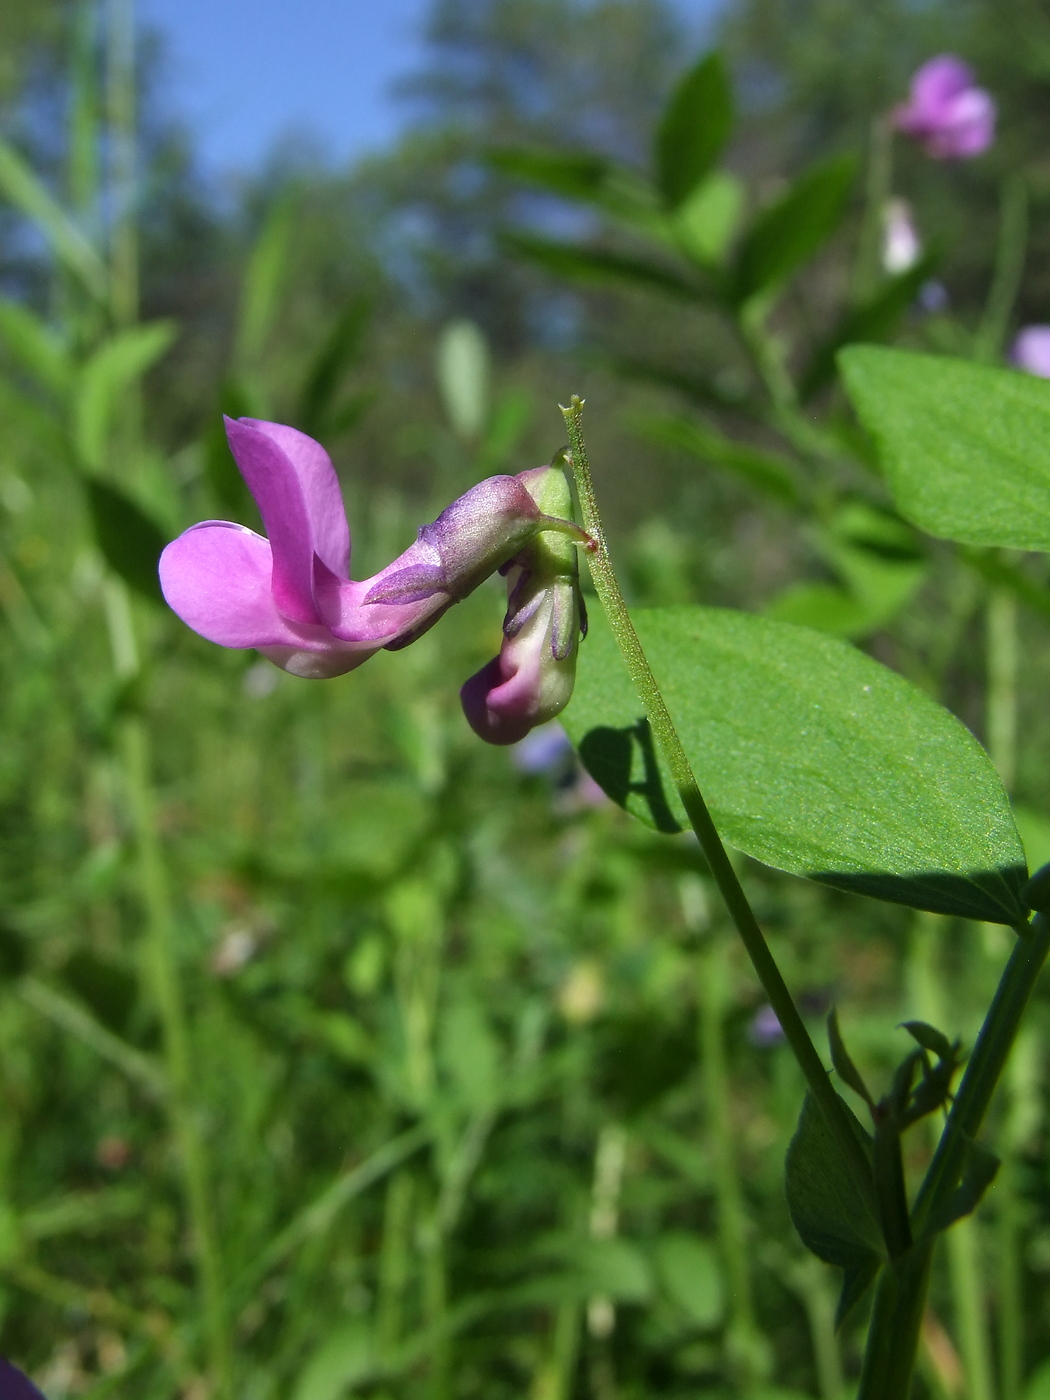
(531, 679)
(290, 595)
(946, 113)
(1031, 350)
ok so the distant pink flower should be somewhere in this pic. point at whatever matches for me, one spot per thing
(290, 595)
(1031, 350)
(531, 680)
(949, 116)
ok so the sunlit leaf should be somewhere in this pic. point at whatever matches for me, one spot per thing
(706, 222)
(965, 448)
(110, 372)
(813, 757)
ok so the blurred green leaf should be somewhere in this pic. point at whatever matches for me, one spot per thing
(34, 346)
(835, 1216)
(875, 319)
(813, 758)
(106, 377)
(470, 1053)
(824, 606)
(965, 448)
(794, 228)
(463, 377)
(599, 265)
(842, 1061)
(706, 222)
(1038, 1387)
(340, 350)
(30, 195)
(581, 176)
(689, 1270)
(264, 280)
(129, 540)
(340, 1363)
(770, 473)
(613, 1268)
(693, 130)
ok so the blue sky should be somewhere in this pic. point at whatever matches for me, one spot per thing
(242, 73)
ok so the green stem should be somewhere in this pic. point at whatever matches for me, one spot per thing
(1001, 691)
(732, 1215)
(971, 1320)
(990, 1053)
(876, 192)
(1009, 268)
(900, 1299)
(725, 877)
(120, 104)
(896, 1320)
(164, 976)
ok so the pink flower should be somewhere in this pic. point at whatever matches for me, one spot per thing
(290, 595)
(531, 680)
(1031, 350)
(949, 116)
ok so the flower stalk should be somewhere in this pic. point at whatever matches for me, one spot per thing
(662, 725)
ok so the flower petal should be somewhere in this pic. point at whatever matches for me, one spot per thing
(216, 576)
(274, 482)
(321, 494)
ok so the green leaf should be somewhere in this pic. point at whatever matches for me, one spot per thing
(463, 377)
(706, 222)
(340, 349)
(581, 176)
(691, 1276)
(339, 1364)
(789, 232)
(813, 758)
(824, 606)
(264, 280)
(106, 377)
(614, 1267)
(979, 1171)
(835, 1216)
(34, 346)
(27, 193)
(965, 448)
(130, 541)
(768, 472)
(930, 1038)
(693, 130)
(599, 265)
(875, 319)
(846, 1070)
